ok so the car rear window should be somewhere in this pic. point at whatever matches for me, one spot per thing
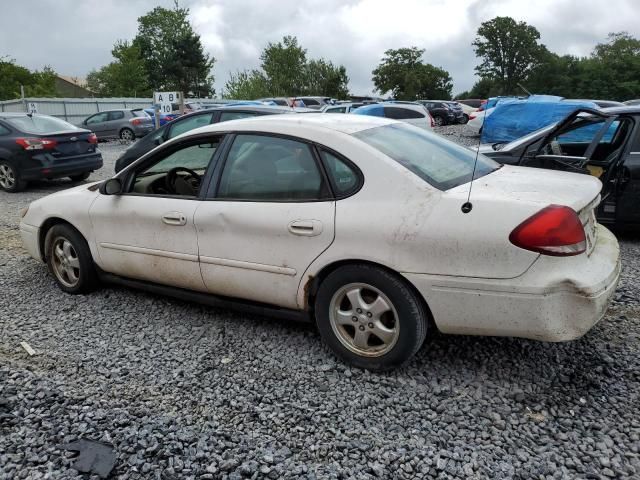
(40, 124)
(140, 113)
(439, 162)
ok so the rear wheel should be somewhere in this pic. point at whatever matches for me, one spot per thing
(465, 118)
(439, 121)
(370, 317)
(69, 259)
(80, 177)
(10, 178)
(127, 135)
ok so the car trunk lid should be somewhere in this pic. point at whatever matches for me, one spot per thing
(71, 144)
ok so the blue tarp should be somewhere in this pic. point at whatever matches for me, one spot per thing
(514, 118)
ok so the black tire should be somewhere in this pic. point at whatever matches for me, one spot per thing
(412, 317)
(465, 119)
(127, 135)
(439, 121)
(87, 278)
(80, 177)
(10, 180)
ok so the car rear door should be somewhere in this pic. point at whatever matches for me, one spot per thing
(115, 122)
(267, 216)
(627, 182)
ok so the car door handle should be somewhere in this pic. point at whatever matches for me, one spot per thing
(174, 218)
(308, 228)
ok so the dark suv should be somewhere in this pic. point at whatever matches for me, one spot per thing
(34, 147)
(441, 113)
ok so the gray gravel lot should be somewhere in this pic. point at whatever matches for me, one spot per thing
(185, 391)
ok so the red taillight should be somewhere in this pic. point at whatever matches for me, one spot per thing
(93, 138)
(555, 230)
(472, 116)
(36, 143)
(136, 121)
(433, 124)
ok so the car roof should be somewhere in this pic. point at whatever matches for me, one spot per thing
(633, 109)
(348, 124)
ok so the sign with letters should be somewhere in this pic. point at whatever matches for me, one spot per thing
(32, 107)
(166, 100)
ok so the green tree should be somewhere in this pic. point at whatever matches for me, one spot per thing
(247, 86)
(508, 51)
(172, 51)
(613, 70)
(126, 76)
(554, 75)
(190, 67)
(283, 64)
(36, 84)
(403, 73)
(322, 77)
(285, 71)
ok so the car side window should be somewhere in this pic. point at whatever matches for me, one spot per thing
(189, 123)
(401, 113)
(268, 168)
(225, 116)
(310, 101)
(344, 177)
(116, 115)
(177, 172)
(98, 118)
(4, 130)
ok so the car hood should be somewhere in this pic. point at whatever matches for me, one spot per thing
(536, 186)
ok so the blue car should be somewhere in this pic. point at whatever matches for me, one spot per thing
(164, 117)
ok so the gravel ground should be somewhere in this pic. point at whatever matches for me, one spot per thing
(184, 391)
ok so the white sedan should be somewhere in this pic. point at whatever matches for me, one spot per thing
(355, 222)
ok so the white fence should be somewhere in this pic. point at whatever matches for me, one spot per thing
(74, 110)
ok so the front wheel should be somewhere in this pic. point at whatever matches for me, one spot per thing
(439, 121)
(69, 259)
(369, 317)
(465, 119)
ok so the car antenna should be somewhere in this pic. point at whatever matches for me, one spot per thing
(468, 206)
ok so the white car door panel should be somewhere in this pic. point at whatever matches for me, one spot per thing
(261, 250)
(148, 238)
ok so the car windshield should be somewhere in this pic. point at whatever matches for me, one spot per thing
(439, 162)
(40, 124)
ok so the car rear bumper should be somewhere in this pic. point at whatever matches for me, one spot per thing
(556, 299)
(63, 167)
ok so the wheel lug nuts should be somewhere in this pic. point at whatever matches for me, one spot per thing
(355, 319)
(370, 325)
(361, 327)
(359, 310)
(369, 314)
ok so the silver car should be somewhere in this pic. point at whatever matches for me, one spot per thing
(126, 124)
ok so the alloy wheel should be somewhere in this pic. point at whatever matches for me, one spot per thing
(66, 264)
(126, 134)
(364, 319)
(7, 177)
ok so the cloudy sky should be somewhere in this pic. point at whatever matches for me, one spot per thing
(75, 36)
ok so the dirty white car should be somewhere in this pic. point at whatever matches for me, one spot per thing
(352, 221)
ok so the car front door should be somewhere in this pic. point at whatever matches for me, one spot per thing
(268, 215)
(98, 123)
(147, 232)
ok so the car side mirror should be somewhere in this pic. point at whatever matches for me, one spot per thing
(113, 186)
